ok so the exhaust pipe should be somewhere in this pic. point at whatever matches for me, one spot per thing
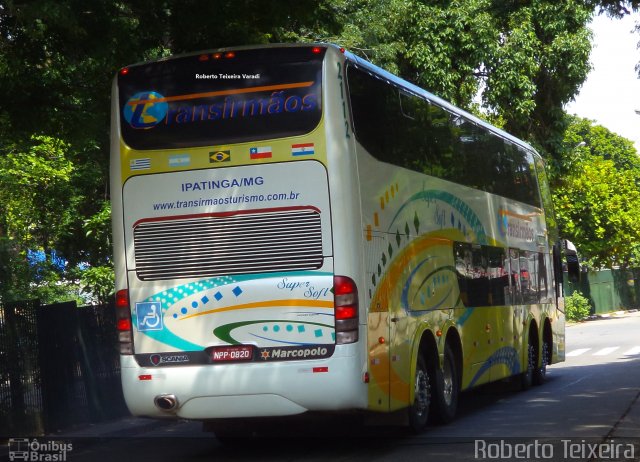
(166, 403)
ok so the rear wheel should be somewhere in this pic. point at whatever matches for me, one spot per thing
(419, 409)
(526, 378)
(540, 373)
(447, 388)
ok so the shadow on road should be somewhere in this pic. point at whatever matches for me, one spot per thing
(577, 401)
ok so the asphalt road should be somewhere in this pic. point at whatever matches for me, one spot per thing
(591, 398)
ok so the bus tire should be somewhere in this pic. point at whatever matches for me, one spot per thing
(526, 378)
(447, 389)
(419, 408)
(540, 373)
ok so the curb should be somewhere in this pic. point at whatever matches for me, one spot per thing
(612, 314)
(598, 317)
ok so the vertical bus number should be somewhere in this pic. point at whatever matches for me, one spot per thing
(344, 103)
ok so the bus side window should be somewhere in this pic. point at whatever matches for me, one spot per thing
(543, 278)
(529, 277)
(473, 274)
(498, 276)
(514, 271)
(375, 119)
(463, 261)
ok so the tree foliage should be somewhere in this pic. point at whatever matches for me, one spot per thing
(35, 192)
(577, 306)
(36, 205)
(588, 136)
(615, 8)
(597, 195)
(526, 59)
(515, 62)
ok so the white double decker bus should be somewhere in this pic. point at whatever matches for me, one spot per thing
(298, 230)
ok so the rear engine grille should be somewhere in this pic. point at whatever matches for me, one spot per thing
(219, 245)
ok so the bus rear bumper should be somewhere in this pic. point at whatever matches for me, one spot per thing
(261, 405)
(245, 390)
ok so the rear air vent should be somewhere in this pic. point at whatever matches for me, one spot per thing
(204, 246)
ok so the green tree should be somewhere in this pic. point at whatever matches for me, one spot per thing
(58, 58)
(57, 61)
(36, 206)
(597, 195)
(615, 8)
(555, 54)
(525, 59)
(15, 273)
(599, 140)
(35, 192)
(446, 44)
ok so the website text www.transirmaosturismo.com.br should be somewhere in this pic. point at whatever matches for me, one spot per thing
(226, 200)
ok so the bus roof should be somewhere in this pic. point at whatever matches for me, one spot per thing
(410, 87)
(435, 99)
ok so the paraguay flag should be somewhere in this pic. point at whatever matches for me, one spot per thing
(263, 152)
(305, 149)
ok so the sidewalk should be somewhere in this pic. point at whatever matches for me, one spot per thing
(629, 425)
(612, 314)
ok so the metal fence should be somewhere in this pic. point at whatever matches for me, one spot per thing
(608, 290)
(58, 367)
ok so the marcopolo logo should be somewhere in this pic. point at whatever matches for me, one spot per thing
(296, 352)
(145, 109)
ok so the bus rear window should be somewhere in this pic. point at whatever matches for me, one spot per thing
(221, 98)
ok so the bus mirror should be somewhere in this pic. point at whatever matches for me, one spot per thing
(571, 259)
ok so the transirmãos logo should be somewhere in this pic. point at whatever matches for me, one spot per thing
(142, 110)
(515, 226)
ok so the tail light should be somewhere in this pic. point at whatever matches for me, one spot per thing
(345, 295)
(123, 323)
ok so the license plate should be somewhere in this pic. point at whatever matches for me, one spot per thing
(231, 353)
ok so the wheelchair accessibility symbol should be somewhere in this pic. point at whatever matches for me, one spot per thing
(149, 316)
